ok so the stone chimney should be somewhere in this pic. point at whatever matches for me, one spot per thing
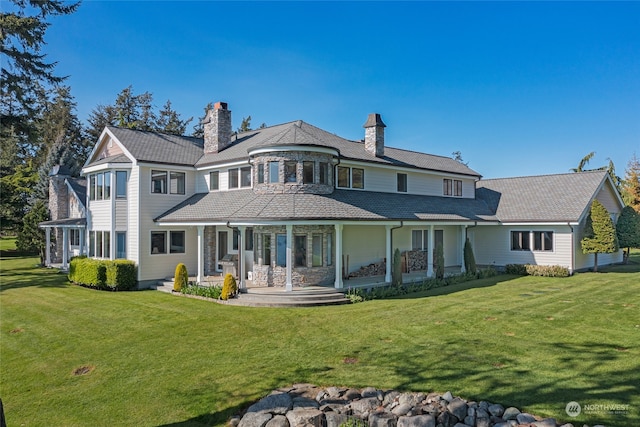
(217, 128)
(374, 135)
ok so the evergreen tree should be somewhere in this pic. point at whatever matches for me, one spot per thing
(169, 121)
(16, 190)
(599, 233)
(628, 230)
(245, 125)
(198, 128)
(438, 262)
(469, 258)
(396, 271)
(631, 184)
(25, 69)
(31, 238)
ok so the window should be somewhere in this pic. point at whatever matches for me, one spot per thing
(159, 182)
(357, 178)
(266, 249)
(520, 241)
(324, 173)
(402, 182)
(121, 245)
(290, 171)
(74, 237)
(329, 249)
(99, 244)
(107, 185)
(99, 186)
(121, 184)
(543, 240)
(281, 250)
(177, 182)
(274, 174)
(236, 240)
(106, 238)
(92, 187)
(248, 239)
(233, 178)
(92, 244)
(300, 243)
(261, 173)
(158, 242)
(245, 176)
(308, 172)
(177, 242)
(452, 187)
(214, 180)
(420, 240)
(316, 248)
(343, 177)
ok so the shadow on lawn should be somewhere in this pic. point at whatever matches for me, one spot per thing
(458, 287)
(27, 277)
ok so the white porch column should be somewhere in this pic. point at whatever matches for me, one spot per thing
(200, 275)
(289, 284)
(241, 246)
(389, 263)
(462, 242)
(431, 251)
(338, 283)
(47, 233)
(65, 247)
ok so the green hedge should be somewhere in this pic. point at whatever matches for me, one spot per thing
(118, 275)
(537, 270)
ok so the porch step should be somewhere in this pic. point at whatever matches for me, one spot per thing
(300, 297)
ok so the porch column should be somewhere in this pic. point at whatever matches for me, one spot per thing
(65, 247)
(241, 246)
(462, 242)
(47, 233)
(200, 275)
(338, 283)
(289, 284)
(81, 232)
(387, 276)
(431, 252)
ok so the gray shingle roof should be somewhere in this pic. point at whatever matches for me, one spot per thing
(301, 133)
(340, 205)
(79, 186)
(545, 198)
(155, 147)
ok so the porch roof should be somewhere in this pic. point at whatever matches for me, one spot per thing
(66, 222)
(350, 205)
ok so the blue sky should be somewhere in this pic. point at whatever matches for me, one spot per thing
(519, 88)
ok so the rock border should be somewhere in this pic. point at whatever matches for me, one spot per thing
(306, 405)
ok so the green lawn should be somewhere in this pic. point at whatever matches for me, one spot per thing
(156, 359)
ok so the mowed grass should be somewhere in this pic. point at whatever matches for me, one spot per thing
(72, 356)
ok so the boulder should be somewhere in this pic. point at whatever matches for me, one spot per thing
(305, 417)
(255, 419)
(278, 403)
(417, 421)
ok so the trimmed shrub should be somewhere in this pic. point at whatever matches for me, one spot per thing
(181, 277)
(547, 270)
(118, 275)
(396, 272)
(537, 270)
(469, 258)
(121, 275)
(229, 287)
(517, 269)
(438, 262)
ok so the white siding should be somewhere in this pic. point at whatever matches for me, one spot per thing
(151, 267)
(133, 227)
(609, 200)
(364, 244)
(75, 210)
(492, 246)
(202, 182)
(100, 214)
(122, 215)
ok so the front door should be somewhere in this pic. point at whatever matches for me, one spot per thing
(222, 246)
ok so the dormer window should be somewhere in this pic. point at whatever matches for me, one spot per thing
(452, 187)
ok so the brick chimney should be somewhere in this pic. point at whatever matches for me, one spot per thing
(217, 128)
(374, 135)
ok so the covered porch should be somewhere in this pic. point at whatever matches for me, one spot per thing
(69, 241)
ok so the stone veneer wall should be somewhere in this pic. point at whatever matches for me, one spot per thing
(276, 276)
(58, 209)
(209, 250)
(298, 186)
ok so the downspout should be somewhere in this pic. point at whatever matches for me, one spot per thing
(391, 239)
(466, 230)
(572, 253)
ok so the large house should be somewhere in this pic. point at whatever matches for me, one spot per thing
(295, 205)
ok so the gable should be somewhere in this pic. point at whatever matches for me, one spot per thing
(108, 150)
